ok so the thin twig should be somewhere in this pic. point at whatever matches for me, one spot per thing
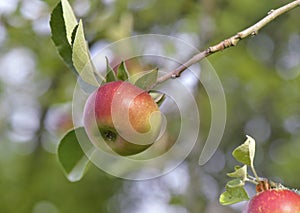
(254, 171)
(229, 42)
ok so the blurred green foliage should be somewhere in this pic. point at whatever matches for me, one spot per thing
(260, 78)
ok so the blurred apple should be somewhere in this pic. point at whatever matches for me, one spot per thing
(275, 201)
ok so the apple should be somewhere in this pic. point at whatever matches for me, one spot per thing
(275, 201)
(121, 117)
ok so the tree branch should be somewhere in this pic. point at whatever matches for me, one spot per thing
(229, 42)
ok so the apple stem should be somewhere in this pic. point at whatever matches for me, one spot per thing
(251, 181)
(254, 172)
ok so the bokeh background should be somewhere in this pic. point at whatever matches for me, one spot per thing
(260, 78)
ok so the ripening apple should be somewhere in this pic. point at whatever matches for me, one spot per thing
(121, 117)
(275, 201)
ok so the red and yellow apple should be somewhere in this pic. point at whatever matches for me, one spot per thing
(121, 117)
(275, 201)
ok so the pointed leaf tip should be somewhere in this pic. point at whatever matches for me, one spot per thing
(110, 73)
(122, 73)
(81, 57)
(70, 19)
(251, 148)
(62, 24)
(71, 156)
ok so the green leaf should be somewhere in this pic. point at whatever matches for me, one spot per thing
(122, 73)
(82, 59)
(71, 156)
(62, 24)
(233, 195)
(74, 34)
(235, 183)
(245, 153)
(240, 172)
(147, 79)
(158, 97)
(110, 73)
(70, 19)
(251, 148)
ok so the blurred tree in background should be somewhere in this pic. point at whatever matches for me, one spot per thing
(260, 78)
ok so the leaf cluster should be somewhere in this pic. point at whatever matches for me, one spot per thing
(69, 39)
(235, 191)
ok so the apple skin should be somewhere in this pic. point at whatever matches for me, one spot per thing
(275, 201)
(122, 115)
